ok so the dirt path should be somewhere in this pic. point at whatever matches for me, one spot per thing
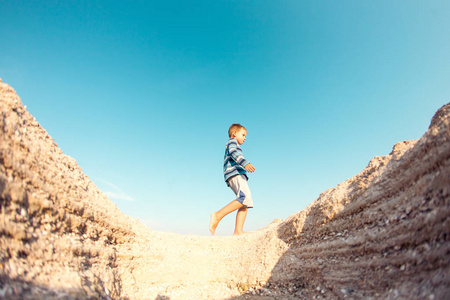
(194, 267)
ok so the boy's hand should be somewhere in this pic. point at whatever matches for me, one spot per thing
(250, 168)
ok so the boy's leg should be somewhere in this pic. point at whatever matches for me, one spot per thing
(218, 215)
(240, 219)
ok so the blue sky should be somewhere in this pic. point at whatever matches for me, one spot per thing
(141, 94)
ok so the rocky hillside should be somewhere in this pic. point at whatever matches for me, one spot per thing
(381, 234)
(58, 231)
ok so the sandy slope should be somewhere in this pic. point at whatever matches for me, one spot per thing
(381, 234)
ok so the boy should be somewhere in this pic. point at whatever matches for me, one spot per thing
(235, 170)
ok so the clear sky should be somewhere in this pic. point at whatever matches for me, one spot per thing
(141, 94)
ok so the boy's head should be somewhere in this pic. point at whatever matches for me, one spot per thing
(234, 129)
(239, 132)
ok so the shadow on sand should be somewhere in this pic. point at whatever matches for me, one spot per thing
(16, 289)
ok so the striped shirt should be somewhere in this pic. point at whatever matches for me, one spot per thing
(234, 161)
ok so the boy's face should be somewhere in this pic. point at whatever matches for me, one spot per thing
(240, 136)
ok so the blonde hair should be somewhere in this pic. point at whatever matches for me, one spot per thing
(234, 129)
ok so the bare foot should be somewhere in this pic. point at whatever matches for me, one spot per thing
(241, 233)
(213, 223)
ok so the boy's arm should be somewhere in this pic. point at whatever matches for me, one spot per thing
(238, 157)
(236, 154)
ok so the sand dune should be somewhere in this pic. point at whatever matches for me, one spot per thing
(382, 234)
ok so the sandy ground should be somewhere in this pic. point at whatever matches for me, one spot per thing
(382, 234)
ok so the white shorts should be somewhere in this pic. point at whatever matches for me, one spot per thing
(240, 187)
